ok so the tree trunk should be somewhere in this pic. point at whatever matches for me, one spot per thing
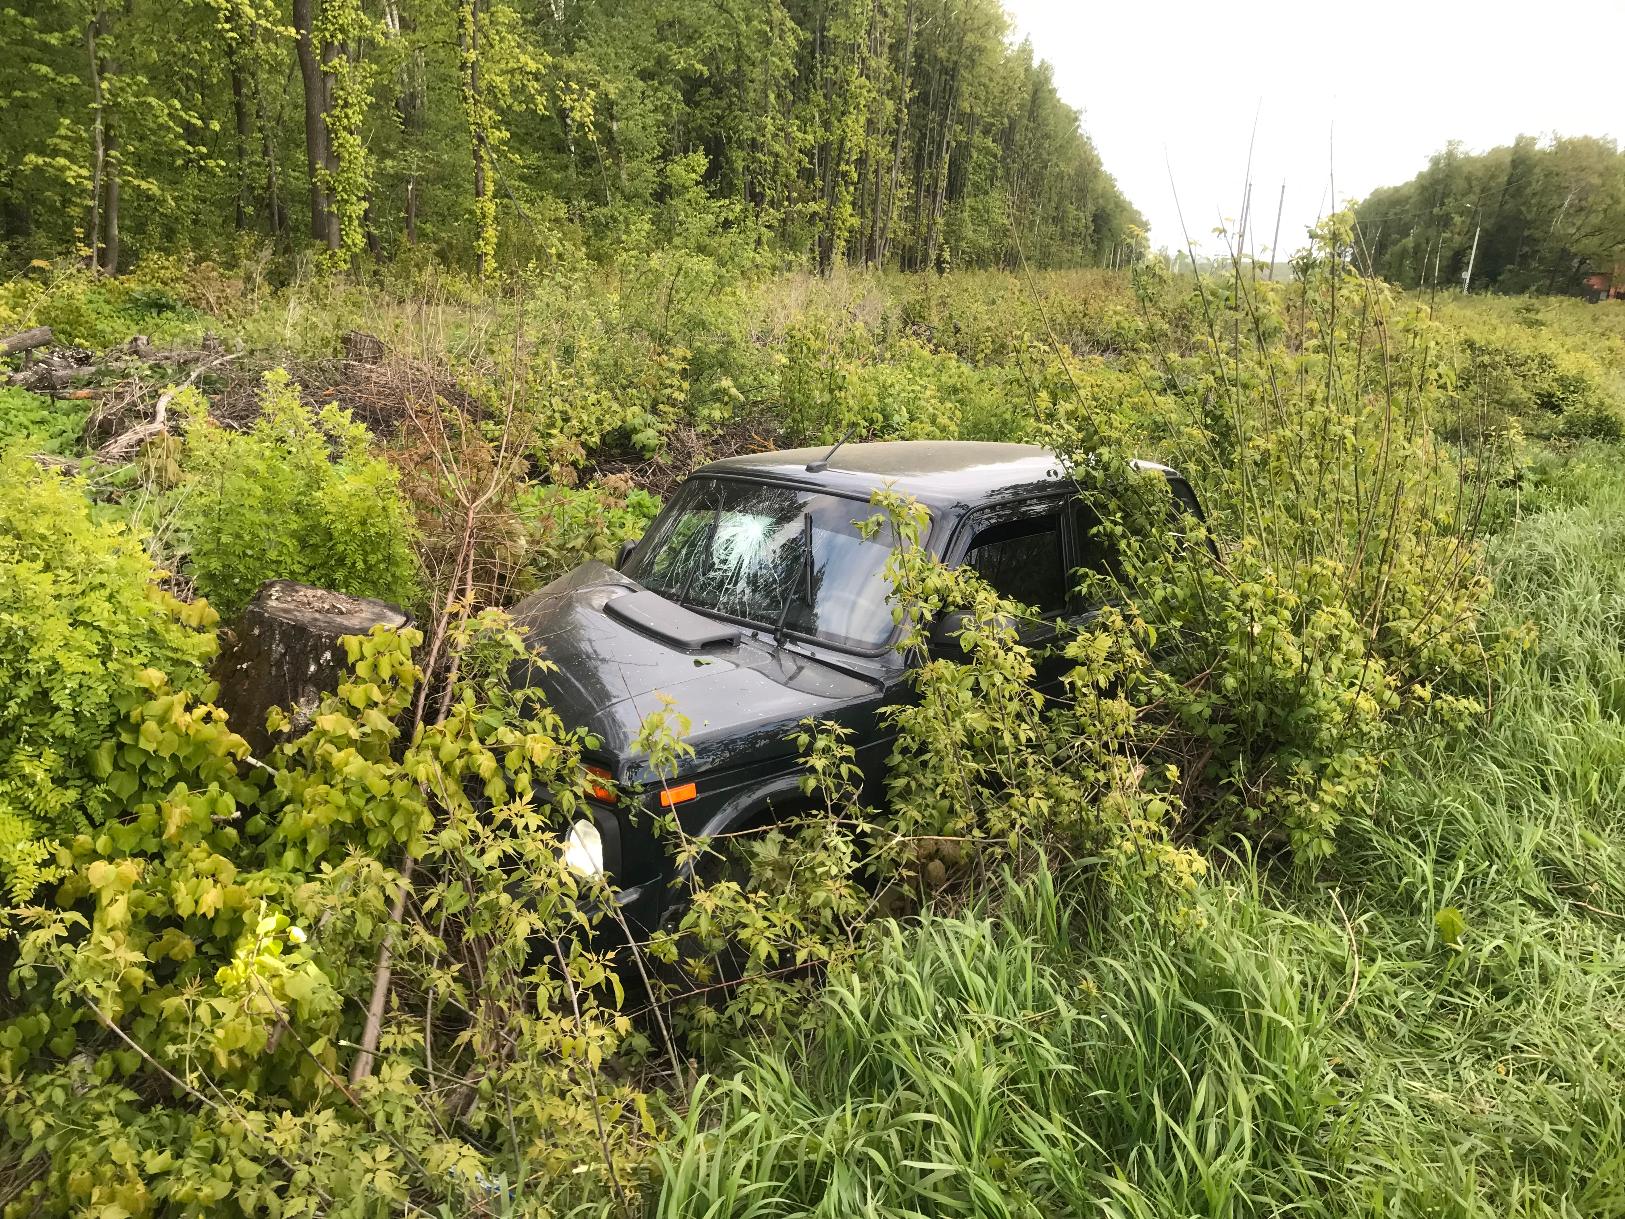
(285, 652)
(883, 235)
(239, 112)
(468, 44)
(273, 196)
(317, 153)
(330, 157)
(110, 212)
(98, 137)
(933, 232)
(26, 340)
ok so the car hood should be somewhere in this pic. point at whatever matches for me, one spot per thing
(743, 698)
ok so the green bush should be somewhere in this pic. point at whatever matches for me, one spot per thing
(36, 423)
(190, 1000)
(299, 496)
(86, 310)
(1531, 373)
(1345, 597)
(565, 526)
(84, 626)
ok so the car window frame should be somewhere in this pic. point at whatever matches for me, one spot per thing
(988, 516)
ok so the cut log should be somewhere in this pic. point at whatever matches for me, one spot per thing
(44, 378)
(363, 348)
(286, 653)
(56, 370)
(25, 340)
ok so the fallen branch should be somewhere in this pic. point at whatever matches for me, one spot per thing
(362, 1067)
(26, 340)
(1574, 901)
(129, 443)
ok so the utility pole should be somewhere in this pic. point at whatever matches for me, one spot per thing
(1467, 279)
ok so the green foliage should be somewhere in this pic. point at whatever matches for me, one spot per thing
(1346, 595)
(342, 24)
(1555, 391)
(873, 986)
(983, 759)
(1019, 1062)
(84, 310)
(37, 424)
(569, 525)
(86, 632)
(214, 944)
(299, 496)
(499, 133)
(1527, 216)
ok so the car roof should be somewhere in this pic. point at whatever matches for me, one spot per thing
(938, 473)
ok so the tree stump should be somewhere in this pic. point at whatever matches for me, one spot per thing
(363, 348)
(286, 653)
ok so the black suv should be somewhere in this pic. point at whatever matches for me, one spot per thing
(755, 601)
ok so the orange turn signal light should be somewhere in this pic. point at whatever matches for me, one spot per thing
(680, 794)
(600, 785)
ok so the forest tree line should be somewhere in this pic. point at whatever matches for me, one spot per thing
(1526, 217)
(907, 133)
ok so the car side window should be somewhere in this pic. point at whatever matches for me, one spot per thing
(1095, 563)
(1022, 560)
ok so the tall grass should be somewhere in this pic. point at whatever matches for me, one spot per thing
(1433, 1025)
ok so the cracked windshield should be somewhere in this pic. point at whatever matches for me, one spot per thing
(741, 550)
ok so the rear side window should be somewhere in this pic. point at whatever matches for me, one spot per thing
(1096, 553)
(1022, 561)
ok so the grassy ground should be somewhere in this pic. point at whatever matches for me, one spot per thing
(1434, 1026)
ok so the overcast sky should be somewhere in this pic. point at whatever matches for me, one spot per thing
(1356, 94)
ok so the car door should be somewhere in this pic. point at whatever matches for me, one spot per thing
(1024, 552)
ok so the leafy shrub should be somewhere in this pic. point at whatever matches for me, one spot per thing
(85, 632)
(39, 424)
(1553, 388)
(194, 996)
(299, 496)
(86, 310)
(1349, 594)
(565, 526)
(982, 758)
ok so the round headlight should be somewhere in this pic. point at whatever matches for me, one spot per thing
(584, 849)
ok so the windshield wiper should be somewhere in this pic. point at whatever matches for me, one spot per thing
(839, 666)
(806, 581)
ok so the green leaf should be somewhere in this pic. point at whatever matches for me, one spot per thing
(1452, 926)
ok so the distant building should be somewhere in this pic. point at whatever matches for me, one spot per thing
(1606, 285)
